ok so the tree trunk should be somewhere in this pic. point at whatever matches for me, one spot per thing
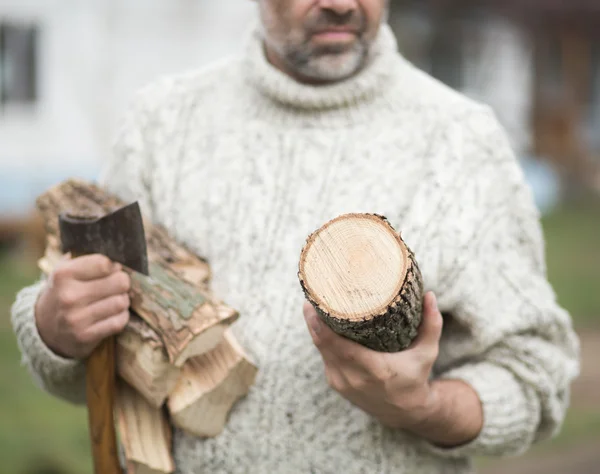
(363, 281)
(144, 432)
(208, 388)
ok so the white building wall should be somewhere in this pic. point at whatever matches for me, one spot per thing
(93, 55)
(498, 71)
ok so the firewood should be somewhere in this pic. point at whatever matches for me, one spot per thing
(174, 300)
(144, 432)
(208, 388)
(142, 359)
(143, 362)
(363, 281)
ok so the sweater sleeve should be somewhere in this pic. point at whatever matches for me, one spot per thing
(123, 175)
(61, 377)
(522, 352)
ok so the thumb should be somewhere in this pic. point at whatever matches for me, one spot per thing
(430, 329)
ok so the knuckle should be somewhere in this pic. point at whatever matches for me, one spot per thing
(120, 304)
(103, 263)
(61, 273)
(125, 302)
(84, 339)
(68, 297)
(358, 383)
(120, 321)
(71, 323)
(346, 354)
(381, 375)
(123, 282)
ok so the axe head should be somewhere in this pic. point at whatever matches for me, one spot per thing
(119, 235)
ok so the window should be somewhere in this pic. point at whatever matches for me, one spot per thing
(18, 63)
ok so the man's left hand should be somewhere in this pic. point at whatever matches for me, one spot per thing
(392, 387)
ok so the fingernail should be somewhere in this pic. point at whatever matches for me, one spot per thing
(435, 304)
(315, 323)
(117, 267)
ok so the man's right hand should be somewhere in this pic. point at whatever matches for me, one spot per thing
(85, 301)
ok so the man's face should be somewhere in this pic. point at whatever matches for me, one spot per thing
(320, 40)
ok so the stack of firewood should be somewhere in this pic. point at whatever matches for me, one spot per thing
(176, 360)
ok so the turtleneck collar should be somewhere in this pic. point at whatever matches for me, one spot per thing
(363, 87)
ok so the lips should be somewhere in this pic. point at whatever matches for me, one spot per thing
(335, 34)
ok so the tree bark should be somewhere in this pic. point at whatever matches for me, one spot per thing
(364, 281)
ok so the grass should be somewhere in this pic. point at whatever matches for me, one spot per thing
(38, 431)
(573, 257)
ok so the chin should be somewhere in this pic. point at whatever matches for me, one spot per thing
(334, 68)
(329, 65)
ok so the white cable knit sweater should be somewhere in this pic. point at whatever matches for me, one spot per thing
(241, 163)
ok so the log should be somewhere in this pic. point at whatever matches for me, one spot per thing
(174, 301)
(188, 322)
(143, 363)
(145, 433)
(209, 387)
(363, 281)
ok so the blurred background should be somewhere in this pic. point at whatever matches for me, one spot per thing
(69, 67)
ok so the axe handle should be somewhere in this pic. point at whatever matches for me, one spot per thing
(100, 393)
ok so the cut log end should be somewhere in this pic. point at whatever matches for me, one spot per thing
(363, 281)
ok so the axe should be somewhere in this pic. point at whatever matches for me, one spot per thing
(120, 236)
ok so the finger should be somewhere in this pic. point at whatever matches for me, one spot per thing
(117, 283)
(430, 329)
(106, 328)
(105, 308)
(335, 349)
(90, 267)
(320, 333)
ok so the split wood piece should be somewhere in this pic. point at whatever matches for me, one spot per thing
(83, 198)
(209, 387)
(143, 362)
(188, 323)
(363, 281)
(144, 432)
(189, 319)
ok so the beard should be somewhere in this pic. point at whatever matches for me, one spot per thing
(326, 63)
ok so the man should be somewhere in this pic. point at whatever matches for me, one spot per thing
(322, 116)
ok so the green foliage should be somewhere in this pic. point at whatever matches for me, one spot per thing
(573, 256)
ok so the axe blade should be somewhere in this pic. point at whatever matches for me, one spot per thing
(119, 235)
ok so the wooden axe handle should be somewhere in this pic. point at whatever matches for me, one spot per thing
(100, 393)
